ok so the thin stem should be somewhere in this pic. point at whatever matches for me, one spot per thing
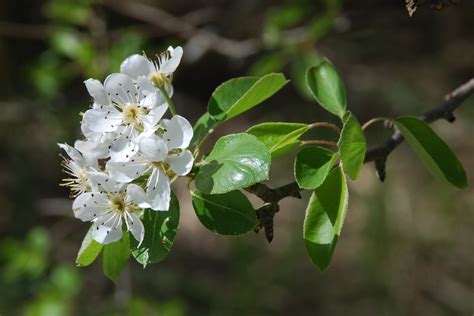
(168, 100)
(318, 142)
(375, 120)
(326, 125)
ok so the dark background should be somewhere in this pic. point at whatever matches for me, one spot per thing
(407, 244)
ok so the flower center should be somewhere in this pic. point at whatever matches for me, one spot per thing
(118, 204)
(159, 79)
(132, 113)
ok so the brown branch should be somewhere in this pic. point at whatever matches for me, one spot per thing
(452, 101)
(378, 154)
(183, 28)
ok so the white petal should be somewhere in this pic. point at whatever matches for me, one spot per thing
(72, 153)
(153, 148)
(97, 92)
(158, 190)
(126, 171)
(145, 88)
(181, 163)
(105, 182)
(154, 116)
(136, 194)
(135, 66)
(124, 146)
(135, 226)
(90, 205)
(93, 149)
(179, 132)
(150, 101)
(169, 66)
(107, 228)
(106, 119)
(121, 88)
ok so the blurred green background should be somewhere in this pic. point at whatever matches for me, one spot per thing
(407, 245)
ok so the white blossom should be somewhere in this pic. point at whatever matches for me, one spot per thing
(158, 72)
(131, 111)
(108, 208)
(158, 157)
(77, 168)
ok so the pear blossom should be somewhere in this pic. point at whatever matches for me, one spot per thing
(108, 208)
(131, 111)
(158, 72)
(77, 167)
(159, 157)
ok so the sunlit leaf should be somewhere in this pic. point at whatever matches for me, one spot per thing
(312, 165)
(352, 146)
(238, 95)
(236, 161)
(90, 249)
(327, 87)
(279, 137)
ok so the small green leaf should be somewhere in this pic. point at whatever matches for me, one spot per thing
(432, 150)
(324, 218)
(312, 165)
(352, 146)
(227, 214)
(279, 138)
(160, 230)
(115, 257)
(327, 87)
(203, 125)
(238, 95)
(90, 249)
(237, 161)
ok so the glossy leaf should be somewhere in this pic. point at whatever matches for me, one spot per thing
(432, 150)
(352, 146)
(236, 161)
(238, 95)
(160, 231)
(90, 249)
(227, 214)
(327, 87)
(278, 137)
(324, 218)
(115, 256)
(312, 165)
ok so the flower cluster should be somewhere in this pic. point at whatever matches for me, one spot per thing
(129, 151)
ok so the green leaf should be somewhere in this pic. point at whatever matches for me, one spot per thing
(299, 65)
(324, 218)
(327, 87)
(160, 230)
(227, 214)
(279, 138)
(90, 249)
(432, 150)
(352, 146)
(312, 165)
(238, 95)
(115, 257)
(237, 161)
(205, 123)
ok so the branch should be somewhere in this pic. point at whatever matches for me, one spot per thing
(452, 101)
(201, 40)
(378, 154)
